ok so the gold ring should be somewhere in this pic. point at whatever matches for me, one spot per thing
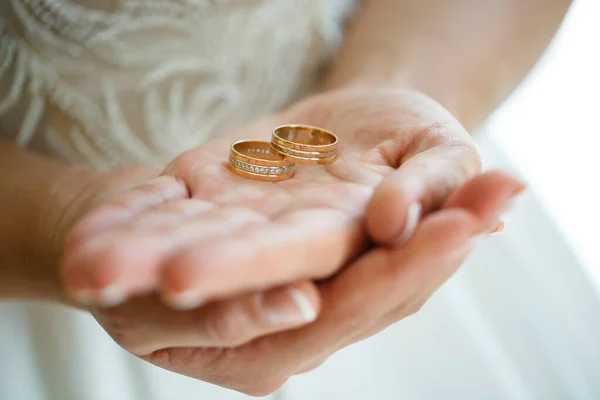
(256, 159)
(305, 144)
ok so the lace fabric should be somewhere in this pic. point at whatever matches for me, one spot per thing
(112, 82)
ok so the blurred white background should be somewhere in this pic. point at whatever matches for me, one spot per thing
(550, 128)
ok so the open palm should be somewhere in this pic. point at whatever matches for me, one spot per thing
(399, 211)
(199, 232)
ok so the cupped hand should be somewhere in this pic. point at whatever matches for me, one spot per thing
(228, 342)
(199, 233)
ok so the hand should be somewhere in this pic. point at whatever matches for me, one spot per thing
(192, 342)
(200, 233)
(214, 342)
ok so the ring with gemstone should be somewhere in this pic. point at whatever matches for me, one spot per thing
(305, 144)
(255, 159)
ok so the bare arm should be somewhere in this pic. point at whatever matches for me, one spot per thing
(467, 54)
(34, 195)
(39, 200)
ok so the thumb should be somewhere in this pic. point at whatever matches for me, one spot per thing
(421, 184)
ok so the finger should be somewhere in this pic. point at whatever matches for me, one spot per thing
(108, 267)
(301, 244)
(388, 285)
(229, 323)
(359, 296)
(380, 281)
(127, 206)
(376, 283)
(421, 183)
(486, 196)
(397, 313)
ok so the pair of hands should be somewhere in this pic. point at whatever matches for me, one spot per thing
(244, 283)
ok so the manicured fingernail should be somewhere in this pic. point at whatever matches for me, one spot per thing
(111, 296)
(497, 228)
(186, 300)
(498, 225)
(286, 306)
(412, 220)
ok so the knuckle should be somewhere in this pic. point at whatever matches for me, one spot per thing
(351, 318)
(180, 163)
(104, 264)
(446, 133)
(123, 332)
(311, 366)
(263, 388)
(190, 160)
(409, 307)
(228, 326)
(239, 372)
(414, 307)
(163, 188)
(130, 343)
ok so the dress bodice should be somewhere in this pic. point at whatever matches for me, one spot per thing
(111, 82)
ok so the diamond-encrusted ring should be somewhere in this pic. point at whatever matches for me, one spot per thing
(256, 159)
(305, 144)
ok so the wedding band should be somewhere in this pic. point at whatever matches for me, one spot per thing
(256, 159)
(305, 144)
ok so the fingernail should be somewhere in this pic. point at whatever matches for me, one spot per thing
(111, 296)
(498, 227)
(412, 220)
(186, 300)
(286, 306)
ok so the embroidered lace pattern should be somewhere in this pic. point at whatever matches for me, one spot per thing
(111, 82)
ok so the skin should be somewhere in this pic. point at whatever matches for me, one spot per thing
(270, 234)
(101, 249)
(346, 247)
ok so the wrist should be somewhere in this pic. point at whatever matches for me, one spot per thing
(32, 272)
(418, 65)
(42, 210)
(455, 95)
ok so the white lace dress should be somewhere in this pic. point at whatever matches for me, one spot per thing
(110, 82)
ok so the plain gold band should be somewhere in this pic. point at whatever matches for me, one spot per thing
(305, 144)
(305, 158)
